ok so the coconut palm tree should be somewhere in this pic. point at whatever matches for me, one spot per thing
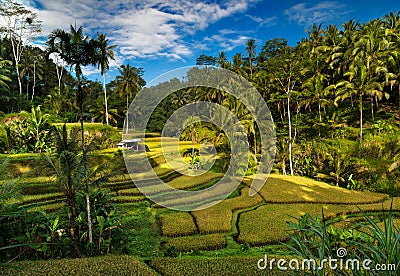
(251, 55)
(78, 51)
(66, 165)
(104, 54)
(359, 85)
(128, 84)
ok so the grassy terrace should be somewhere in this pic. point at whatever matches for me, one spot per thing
(233, 221)
(241, 225)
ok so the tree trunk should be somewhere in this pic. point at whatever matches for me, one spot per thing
(255, 145)
(34, 80)
(372, 109)
(290, 136)
(320, 118)
(27, 86)
(84, 157)
(105, 96)
(361, 119)
(127, 114)
(71, 217)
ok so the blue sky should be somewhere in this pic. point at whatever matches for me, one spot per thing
(164, 35)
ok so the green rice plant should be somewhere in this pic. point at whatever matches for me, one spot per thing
(296, 189)
(105, 265)
(201, 242)
(127, 199)
(267, 224)
(180, 183)
(239, 266)
(27, 199)
(218, 217)
(177, 224)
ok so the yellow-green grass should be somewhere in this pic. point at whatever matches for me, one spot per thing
(27, 199)
(218, 217)
(126, 199)
(267, 224)
(351, 222)
(105, 265)
(239, 266)
(48, 207)
(180, 183)
(198, 242)
(177, 224)
(296, 189)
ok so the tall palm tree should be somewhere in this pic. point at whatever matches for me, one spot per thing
(359, 85)
(105, 53)
(251, 55)
(128, 84)
(77, 50)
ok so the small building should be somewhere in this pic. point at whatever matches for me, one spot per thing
(132, 144)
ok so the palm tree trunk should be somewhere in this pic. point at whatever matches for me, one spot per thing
(80, 100)
(372, 108)
(255, 145)
(71, 217)
(361, 119)
(127, 114)
(290, 136)
(34, 80)
(27, 86)
(105, 96)
(320, 119)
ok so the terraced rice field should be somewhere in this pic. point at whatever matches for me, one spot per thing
(253, 220)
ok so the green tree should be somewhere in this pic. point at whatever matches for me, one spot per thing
(104, 54)
(128, 84)
(77, 50)
(359, 85)
(20, 26)
(68, 168)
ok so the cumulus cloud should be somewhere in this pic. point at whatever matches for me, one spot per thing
(322, 12)
(141, 29)
(227, 40)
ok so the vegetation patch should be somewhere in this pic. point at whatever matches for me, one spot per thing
(241, 266)
(296, 189)
(177, 224)
(105, 265)
(198, 242)
(218, 218)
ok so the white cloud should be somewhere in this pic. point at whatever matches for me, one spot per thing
(322, 12)
(227, 40)
(143, 28)
(268, 21)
